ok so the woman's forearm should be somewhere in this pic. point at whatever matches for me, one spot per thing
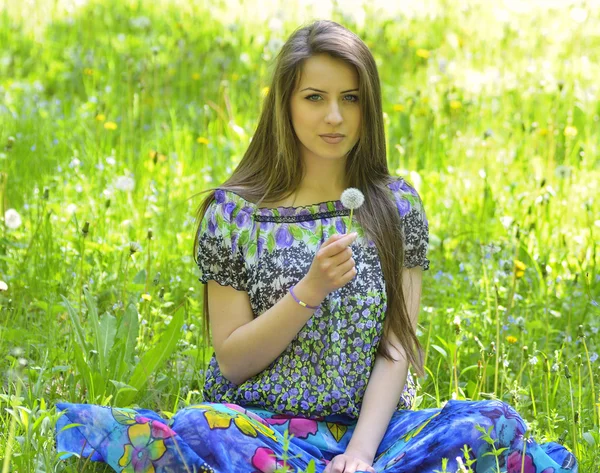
(379, 403)
(254, 346)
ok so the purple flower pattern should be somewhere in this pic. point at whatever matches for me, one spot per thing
(264, 251)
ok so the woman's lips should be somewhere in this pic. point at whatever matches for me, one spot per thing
(331, 139)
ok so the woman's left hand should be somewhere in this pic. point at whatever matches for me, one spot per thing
(348, 463)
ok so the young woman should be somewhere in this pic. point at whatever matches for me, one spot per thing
(313, 327)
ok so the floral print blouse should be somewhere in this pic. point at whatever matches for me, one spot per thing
(263, 251)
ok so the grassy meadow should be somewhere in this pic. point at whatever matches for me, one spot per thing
(114, 114)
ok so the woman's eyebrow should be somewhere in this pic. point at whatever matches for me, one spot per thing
(323, 92)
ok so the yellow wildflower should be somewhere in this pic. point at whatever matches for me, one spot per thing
(519, 268)
(264, 91)
(398, 107)
(110, 125)
(147, 297)
(202, 140)
(88, 71)
(570, 131)
(512, 340)
(543, 131)
(101, 117)
(196, 76)
(455, 104)
(423, 53)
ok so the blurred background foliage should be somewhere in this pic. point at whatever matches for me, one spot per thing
(115, 114)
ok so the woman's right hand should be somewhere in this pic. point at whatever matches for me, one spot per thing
(332, 266)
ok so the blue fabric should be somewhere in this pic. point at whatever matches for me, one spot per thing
(223, 438)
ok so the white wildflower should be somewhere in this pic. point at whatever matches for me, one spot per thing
(134, 247)
(111, 160)
(238, 129)
(125, 183)
(3, 286)
(352, 199)
(578, 14)
(562, 172)
(533, 360)
(12, 219)
(71, 209)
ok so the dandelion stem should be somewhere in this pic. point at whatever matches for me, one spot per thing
(350, 224)
(497, 343)
(587, 356)
(11, 430)
(546, 392)
(573, 427)
(125, 280)
(533, 404)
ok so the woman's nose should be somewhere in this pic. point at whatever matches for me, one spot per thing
(334, 115)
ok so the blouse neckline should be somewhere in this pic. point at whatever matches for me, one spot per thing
(287, 210)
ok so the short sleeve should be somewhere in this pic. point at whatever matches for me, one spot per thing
(415, 226)
(221, 236)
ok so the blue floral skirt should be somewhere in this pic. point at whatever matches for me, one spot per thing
(227, 438)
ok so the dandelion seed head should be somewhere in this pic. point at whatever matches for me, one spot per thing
(12, 219)
(352, 198)
(125, 183)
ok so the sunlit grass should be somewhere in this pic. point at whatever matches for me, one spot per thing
(114, 114)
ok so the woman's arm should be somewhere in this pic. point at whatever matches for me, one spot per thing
(386, 382)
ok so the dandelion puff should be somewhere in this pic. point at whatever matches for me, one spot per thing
(12, 219)
(352, 199)
(125, 183)
(134, 247)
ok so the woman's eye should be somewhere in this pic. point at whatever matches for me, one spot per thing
(354, 98)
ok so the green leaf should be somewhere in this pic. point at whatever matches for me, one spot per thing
(121, 356)
(95, 323)
(271, 242)
(70, 426)
(244, 237)
(589, 439)
(154, 358)
(74, 317)
(296, 232)
(108, 329)
(84, 371)
(314, 239)
(128, 331)
(440, 350)
(122, 386)
(140, 277)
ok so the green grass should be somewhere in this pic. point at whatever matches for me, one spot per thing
(494, 121)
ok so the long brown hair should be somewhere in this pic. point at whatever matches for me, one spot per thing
(271, 168)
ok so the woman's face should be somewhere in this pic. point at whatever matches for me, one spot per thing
(326, 102)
